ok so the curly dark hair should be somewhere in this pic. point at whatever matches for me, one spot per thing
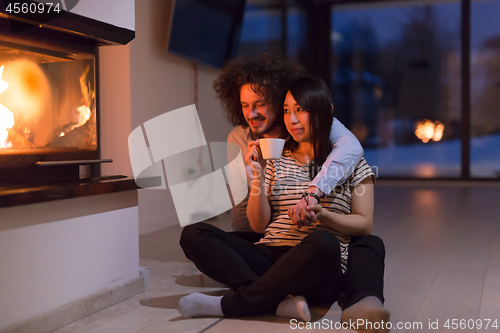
(270, 76)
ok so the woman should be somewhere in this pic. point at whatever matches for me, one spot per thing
(305, 261)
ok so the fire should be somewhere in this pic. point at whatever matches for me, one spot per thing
(6, 117)
(28, 97)
(3, 85)
(83, 115)
(84, 112)
(427, 130)
(88, 95)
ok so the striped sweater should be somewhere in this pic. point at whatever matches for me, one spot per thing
(288, 179)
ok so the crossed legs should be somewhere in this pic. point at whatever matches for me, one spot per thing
(262, 276)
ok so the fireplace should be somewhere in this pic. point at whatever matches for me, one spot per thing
(49, 107)
(72, 240)
(47, 111)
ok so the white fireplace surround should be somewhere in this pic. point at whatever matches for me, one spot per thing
(63, 260)
(59, 252)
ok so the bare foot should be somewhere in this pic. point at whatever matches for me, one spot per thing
(370, 313)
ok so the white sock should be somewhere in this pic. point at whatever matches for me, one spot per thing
(197, 305)
(294, 307)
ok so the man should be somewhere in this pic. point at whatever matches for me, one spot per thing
(252, 92)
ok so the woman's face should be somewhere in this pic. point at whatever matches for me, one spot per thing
(296, 120)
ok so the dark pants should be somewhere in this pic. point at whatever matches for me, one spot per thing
(262, 276)
(252, 237)
(365, 270)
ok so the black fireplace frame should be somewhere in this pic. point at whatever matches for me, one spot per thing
(70, 31)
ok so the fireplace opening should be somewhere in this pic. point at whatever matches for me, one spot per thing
(47, 100)
(48, 111)
(49, 108)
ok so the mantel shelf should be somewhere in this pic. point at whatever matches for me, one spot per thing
(17, 195)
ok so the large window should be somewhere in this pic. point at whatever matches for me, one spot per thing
(262, 28)
(275, 26)
(296, 41)
(396, 83)
(485, 89)
(404, 80)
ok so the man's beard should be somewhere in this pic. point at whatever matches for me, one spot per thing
(268, 128)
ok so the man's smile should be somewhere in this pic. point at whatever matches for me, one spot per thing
(255, 122)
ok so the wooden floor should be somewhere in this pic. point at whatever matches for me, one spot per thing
(442, 263)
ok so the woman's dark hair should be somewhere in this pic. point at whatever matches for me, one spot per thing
(270, 76)
(313, 95)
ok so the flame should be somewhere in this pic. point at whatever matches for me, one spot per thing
(3, 85)
(83, 115)
(6, 117)
(84, 112)
(427, 130)
(28, 91)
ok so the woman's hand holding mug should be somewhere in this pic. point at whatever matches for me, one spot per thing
(254, 158)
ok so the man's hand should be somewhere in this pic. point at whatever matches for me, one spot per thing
(299, 214)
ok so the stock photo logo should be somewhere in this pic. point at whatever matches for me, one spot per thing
(26, 14)
(205, 180)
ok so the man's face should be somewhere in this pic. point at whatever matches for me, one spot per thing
(260, 115)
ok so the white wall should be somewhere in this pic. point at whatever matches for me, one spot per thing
(57, 252)
(114, 76)
(162, 82)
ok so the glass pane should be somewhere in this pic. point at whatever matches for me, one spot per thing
(47, 98)
(261, 28)
(396, 84)
(485, 89)
(296, 32)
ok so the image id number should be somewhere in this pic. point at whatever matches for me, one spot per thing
(454, 324)
(32, 8)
